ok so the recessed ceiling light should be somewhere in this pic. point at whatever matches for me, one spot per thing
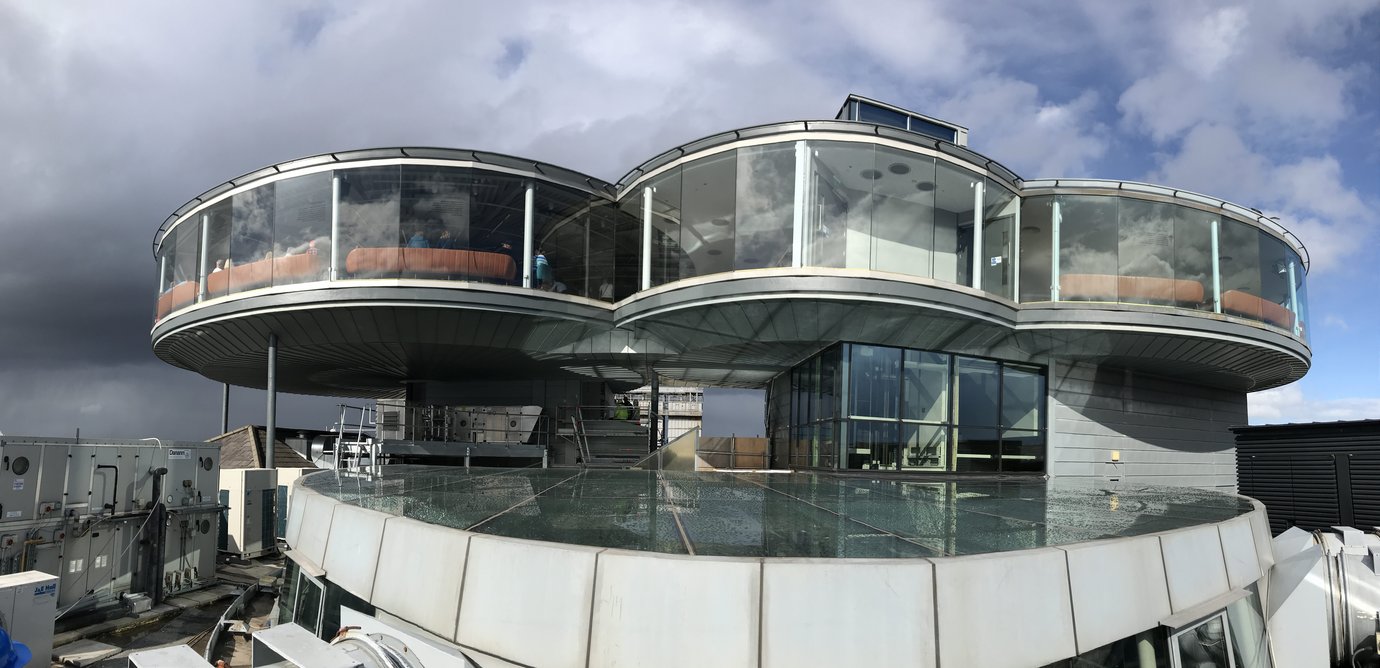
(870, 174)
(1030, 228)
(721, 222)
(924, 186)
(715, 251)
(899, 168)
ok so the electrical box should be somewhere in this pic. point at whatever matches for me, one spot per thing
(28, 602)
(251, 524)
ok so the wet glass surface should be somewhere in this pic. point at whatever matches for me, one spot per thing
(775, 514)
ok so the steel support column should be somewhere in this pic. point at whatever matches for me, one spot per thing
(272, 426)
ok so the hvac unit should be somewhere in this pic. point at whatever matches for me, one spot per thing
(28, 601)
(251, 495)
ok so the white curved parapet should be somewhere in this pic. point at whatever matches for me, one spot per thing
(509, 601)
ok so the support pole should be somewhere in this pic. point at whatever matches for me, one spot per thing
(527, 233)
(202, 270)
(272, 427)
(1216, 272)
(1056, 221)
(224, 408)
(801, 203)
(646, 238)
(978, 252)
(653, 414)
(334, 274)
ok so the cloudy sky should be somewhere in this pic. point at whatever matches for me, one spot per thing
(114, 114)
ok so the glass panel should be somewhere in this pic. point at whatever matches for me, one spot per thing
(830, 370)
(1205, 645)
(977, 449)
(602, 256)
(874, 114)
(875, 387)
(178, 284)
(666, 215)
(924, 446)
(1277, 303)
(496, 228)
(301, 229)
(1022, 397)
(1087, 248)
(1239, 261)
(370, 209)
(218, 226)
(1300, 294)
(872, 445)
(999, 239)
(765, 206)
(925, 391)
(903, 235)
(308, 612)
(1036, 240)
(839, 205)
(1022, 450)
(824, 446)
(953, 224)
(1193, 259)
(978, 392)
(627, 246)
(287, 592)
(1145, 252)
(1248, 632)
(560, 223)
(706, 231)
(251, 240)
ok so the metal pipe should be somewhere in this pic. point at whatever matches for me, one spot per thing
(272, 426)
(224, 408)
(115, 488)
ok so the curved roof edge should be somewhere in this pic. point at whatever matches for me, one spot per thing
(555, 173)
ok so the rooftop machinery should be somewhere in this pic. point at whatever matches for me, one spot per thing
(113, 520)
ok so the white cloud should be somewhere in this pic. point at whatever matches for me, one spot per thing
(1288, 404)
(1308, 194)
(1011, 121)
(1331, 320)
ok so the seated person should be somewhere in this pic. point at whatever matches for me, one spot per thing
(418, 241)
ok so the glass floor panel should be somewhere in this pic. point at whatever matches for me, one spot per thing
(774, 514)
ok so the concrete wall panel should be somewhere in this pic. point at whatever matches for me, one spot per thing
(675, 611)
(529, 601)
(1004, 610)
(1238, 551)
(1118, 589)
(316, 528)
(352, 553)
(420, 557)
(1193, 566)
(832, 612)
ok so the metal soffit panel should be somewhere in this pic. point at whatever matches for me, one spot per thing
(737, 331)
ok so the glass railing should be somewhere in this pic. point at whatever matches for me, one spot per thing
(399, 222)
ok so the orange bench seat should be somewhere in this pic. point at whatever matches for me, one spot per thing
(431, 262)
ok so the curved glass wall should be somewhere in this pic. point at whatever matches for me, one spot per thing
(805, 203)
(399, 221)
(1106, 248)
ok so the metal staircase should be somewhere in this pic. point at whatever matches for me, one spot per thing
(607, 442)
